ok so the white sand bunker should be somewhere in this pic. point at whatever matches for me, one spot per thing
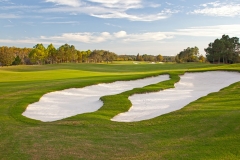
(191, 87)
(62, 104)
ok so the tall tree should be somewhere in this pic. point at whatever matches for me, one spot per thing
(224, 50)
(38, 55)
(6, 56)
(109, 56)
(17, 61)
(188, 55)
(67, 53)
(138, 57)
(202, 58)
(96, 56)
(79, 57)
(52, 53)
(85, 56)
(159, 58)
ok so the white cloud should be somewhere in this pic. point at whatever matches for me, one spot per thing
(88, 37)
(8, 16)
(72, 3)
(65, 22)
(120, 34)
(52, 18)
(6, 2)
(105, 13)
(168, 3)
(7, 26)
(210, 31)
(116, 4)
(112, 9)
(219, 9)
(85, 37)
(126, 4)
(148, 36)
(151, 17)
(109, 24)
(154, 5)
(17, 7)
(145, 42)
(25, 41)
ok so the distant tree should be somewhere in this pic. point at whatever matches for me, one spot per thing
(96, 56)
(106, 56)
(138, 57)
(23, 54)
(126, 57)
(169, 58)
(52, 53)
(85, 56)
(6, 56)
(38, 55)
(17, 61)
(159, 58)
(188, 55)
(177, 59)
(109, 56)
(147, 57)
(202, 58)
(67, 53)
(79, 57)
(224, 50)
(144, 57)
(130, 59)
(60, 55)
(73, 54)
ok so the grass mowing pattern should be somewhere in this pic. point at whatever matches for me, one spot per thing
(205, 129)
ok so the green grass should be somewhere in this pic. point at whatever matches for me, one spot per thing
(208, 128)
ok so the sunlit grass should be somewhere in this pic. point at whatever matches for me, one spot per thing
(205, 129)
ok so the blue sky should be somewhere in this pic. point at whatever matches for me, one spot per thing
(121, 26)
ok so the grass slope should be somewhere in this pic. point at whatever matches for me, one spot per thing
(205, 129)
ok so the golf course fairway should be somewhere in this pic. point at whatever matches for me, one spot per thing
(207, 128)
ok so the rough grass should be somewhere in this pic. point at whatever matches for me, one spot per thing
(205, 129)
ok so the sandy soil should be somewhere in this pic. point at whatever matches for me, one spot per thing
(66, 103)
(191, 87)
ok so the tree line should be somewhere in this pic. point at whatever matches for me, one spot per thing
(146, 58)
(152, 58)
(66, 54)
(50, 55)
(14, 56)
(223, 50)
(190, 54)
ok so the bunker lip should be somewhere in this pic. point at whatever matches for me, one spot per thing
(191, 87)
(70, 102)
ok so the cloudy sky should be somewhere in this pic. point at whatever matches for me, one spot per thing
(121, 26)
